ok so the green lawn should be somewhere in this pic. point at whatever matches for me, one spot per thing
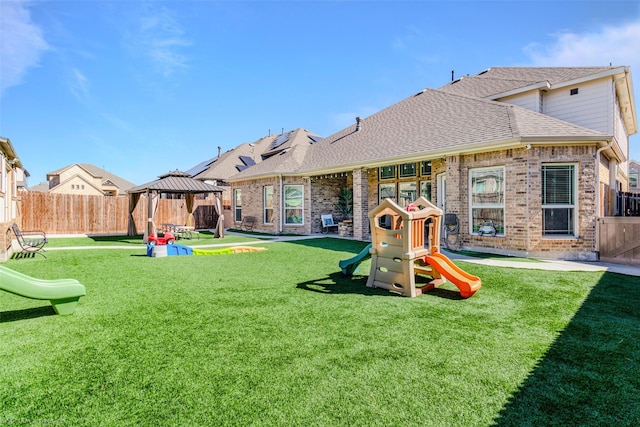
(202, 238)
(281, 338)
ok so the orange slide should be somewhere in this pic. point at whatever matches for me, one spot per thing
(467, 283)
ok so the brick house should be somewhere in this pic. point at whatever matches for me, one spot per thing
(532, 150)
(217, 170)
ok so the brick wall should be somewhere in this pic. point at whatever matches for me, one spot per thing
(325, 193)
(523, 202)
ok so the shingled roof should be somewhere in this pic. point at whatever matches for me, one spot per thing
(493, 82)
(429, 124)
(105, 176)
(252, 155)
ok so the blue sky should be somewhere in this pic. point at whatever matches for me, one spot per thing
(144, 87)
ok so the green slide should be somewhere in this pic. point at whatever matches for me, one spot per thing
(63, 293)
(349, 266)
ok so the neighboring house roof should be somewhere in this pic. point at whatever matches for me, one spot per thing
(43, 187)
(176, 182)
(252, 155)
(429, 124)
(107, 178)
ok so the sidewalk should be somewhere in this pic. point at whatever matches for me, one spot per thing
(551, 265)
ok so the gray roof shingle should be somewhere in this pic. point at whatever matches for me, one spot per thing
(495, 81)
(425, 125)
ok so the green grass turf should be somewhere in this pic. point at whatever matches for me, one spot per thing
(203, 238)
(280, 337)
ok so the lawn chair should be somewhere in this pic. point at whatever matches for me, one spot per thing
(248, 222)
(328, 223)
(31, 242)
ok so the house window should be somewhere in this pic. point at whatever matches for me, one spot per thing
(293, 204)
(633, 179)
(268, 204)
(387, 191)
(406, 193)
(487, 198)
(559, 200)
(425, 189)
(237, 205)
(407, 170)
(425, 168)
(388, 172)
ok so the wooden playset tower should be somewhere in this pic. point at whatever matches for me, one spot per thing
(398, 246)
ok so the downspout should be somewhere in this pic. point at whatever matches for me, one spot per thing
(281, 205)
(597, 157)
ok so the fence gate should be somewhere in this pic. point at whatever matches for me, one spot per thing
(620, 239)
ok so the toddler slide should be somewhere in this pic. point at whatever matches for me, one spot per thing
(467, 283)
(63, 293)
(349, 266)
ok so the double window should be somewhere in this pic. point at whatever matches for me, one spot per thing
(559, 200)
(487, 198)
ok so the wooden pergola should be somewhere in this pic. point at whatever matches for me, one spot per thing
(175, 182)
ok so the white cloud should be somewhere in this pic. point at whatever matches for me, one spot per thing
(616, 45)
(21, 44)
(80, 86)
(160, 37)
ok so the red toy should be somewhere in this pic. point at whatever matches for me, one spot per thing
(167, 239)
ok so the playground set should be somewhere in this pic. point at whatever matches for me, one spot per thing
(400, 251)
(158, 247)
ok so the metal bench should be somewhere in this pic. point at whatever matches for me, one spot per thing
(31, 242)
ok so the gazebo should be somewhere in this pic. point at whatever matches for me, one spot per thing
(175, 182)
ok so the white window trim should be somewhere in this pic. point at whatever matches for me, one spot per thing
(574, 205)
(237, 192)
(285, 206)
(264, 203)
(489, 206)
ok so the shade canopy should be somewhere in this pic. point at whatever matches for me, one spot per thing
(175, 182)
(172, 182)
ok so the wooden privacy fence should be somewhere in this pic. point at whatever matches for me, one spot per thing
(95, 215)
(620, 239)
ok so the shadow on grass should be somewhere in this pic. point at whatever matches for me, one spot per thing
(338, 283)
(591, 373)
(27, 313)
